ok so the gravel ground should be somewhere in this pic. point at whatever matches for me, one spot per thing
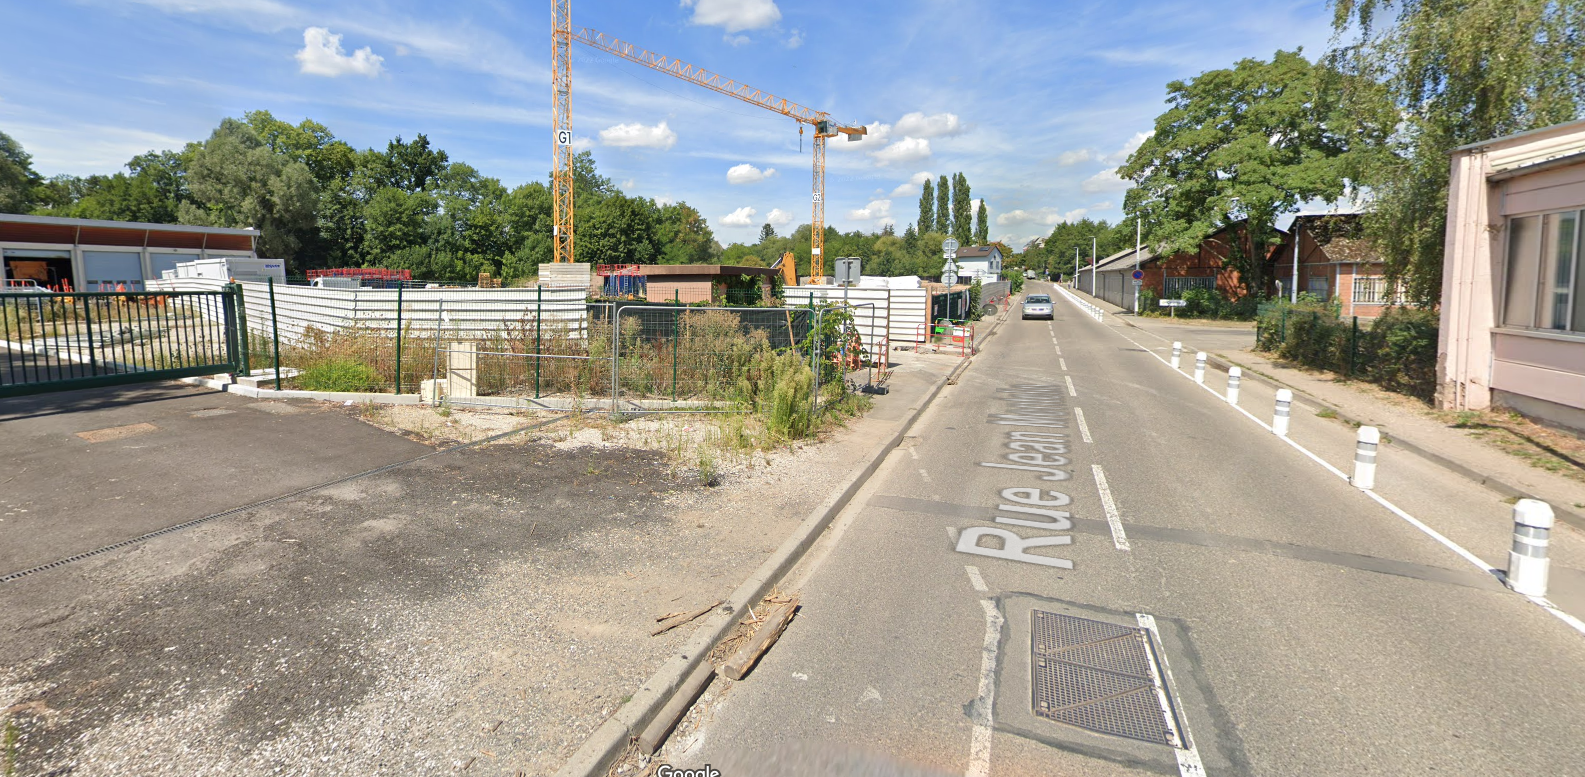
(482, 611)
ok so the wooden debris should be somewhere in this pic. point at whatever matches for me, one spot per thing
(683, 618)
(740, 664)
(658, 729)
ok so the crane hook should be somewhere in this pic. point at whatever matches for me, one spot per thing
(800, 138)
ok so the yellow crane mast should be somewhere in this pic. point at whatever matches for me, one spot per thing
(561, 121)
(820, 121)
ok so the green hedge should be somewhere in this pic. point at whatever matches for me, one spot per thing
(1397, 351)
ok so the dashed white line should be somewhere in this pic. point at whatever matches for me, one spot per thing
(1063, 363)
(975, 579)
(1189, 764)
(980, 743)
(1069, 381)
(1119, 538)
(1084, 428)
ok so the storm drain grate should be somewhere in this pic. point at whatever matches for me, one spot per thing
(1097, 676)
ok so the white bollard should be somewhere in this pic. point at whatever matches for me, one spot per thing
(1234, 375)
(1199, 368)
(1177, 351)
(1368, 440)
(1527, 561)
(1279, 419)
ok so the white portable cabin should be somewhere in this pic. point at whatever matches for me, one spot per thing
(234, 268)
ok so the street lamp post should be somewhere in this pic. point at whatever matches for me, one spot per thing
(1137, 282)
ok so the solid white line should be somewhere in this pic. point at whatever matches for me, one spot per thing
(980, 743)
(1112, 519)
(975, 579)
(1189, 764)
(1069, 381)
(1063, 363)
(1570, 620)
(1084, 428)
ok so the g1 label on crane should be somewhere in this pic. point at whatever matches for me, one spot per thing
(564, 138)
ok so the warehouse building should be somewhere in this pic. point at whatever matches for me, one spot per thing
(90, 255)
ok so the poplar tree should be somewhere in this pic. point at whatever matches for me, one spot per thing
(982, 230)
(962, 215)
(927, 208)
(943, 207)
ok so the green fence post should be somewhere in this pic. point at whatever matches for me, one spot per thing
(677, 316)
(1353, 348)
(539, 310)
(1282, 331)
(398, 340)
(88, 329)
(275, 334)
(242, 329)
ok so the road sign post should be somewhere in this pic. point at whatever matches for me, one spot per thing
(1172, 305)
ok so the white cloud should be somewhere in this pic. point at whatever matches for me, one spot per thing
(747, 173)
(581, 143)
(1047, 216)
(1121, 155)
(1107, 205)
(778, 217)
(912, 185)
(628, 185)
(664, 200)
(637, 135)
(741, 217)
(734, 15)
(735, 40)
(1070, 158)
(795, 40)
(59, 145)
(905, 150)
(921, 126)
(877, 209)
(1105, 181)
(322, 55)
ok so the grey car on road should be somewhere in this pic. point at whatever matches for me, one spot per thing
(1037, 306)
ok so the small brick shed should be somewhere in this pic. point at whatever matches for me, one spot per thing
(689, 283)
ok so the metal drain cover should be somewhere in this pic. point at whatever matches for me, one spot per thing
(1098, 676)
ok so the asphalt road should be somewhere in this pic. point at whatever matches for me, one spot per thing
(1303, 628)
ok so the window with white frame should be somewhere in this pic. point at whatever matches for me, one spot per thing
(1544, 287)
(1176, 286)
(1370, 290)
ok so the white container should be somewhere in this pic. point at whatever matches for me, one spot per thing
(234, 268)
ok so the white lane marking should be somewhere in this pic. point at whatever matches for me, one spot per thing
(1113, 520)
(1069, 381)
(980, 743)
(1570, 620)
(952, 531)
(1059, 350)
(1084, 428)
(924, 474)
(1189, 764)
(1063, 363)
(975, 579)
(913, 453)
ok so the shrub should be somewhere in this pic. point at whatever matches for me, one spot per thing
(338, 375)
(1402, 348)
(1202, 303)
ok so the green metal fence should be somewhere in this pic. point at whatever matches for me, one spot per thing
(65, 341)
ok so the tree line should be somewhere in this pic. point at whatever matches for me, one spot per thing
(1374, 119)
(318, 202)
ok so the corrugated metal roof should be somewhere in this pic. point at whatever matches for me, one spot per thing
(20, 218)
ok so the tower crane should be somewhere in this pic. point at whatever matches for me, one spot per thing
(562, 37)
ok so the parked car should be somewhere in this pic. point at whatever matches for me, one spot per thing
(1037, 306)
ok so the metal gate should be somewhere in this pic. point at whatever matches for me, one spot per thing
(60, 342)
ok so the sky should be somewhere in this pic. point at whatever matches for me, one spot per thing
(1035, 102)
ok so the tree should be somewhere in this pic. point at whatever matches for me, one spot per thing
(236, 181)
(962, 210)
(685, 236)
(767, 232)
(1239, 145)
(1450, 73)
(943, 223)
(982, 230)
(927, 207)
(618, 230)
(17, 178)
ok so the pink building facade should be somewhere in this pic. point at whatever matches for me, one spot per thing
(1513, 289)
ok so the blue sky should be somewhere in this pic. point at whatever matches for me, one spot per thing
(1034, 101)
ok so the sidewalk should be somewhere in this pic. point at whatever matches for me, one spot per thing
(1403, 420)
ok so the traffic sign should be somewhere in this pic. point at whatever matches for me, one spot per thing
(1139, 275)
(1138, 282)
(848, 271)
(950, 244)
(1173, 303)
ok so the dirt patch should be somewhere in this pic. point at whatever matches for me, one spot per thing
(1543, 448)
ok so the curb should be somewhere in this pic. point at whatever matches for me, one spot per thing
(612, 737)
(1223, 363)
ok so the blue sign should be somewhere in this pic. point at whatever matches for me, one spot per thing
(1139, 275)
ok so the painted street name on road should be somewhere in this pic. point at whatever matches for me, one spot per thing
(1035, 407)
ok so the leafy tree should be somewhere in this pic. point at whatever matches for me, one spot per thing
(17, 177)
(618, 230)
(982, 229)
(1449, 73)
(685, 236)
(943, 223)
(962, 213)
(927, 206)
(236, 181)
(1240, 145)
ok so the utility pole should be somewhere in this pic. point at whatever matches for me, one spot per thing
(1094, 291)
(1075, 267)
(1137, 283)
(1293, 291)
